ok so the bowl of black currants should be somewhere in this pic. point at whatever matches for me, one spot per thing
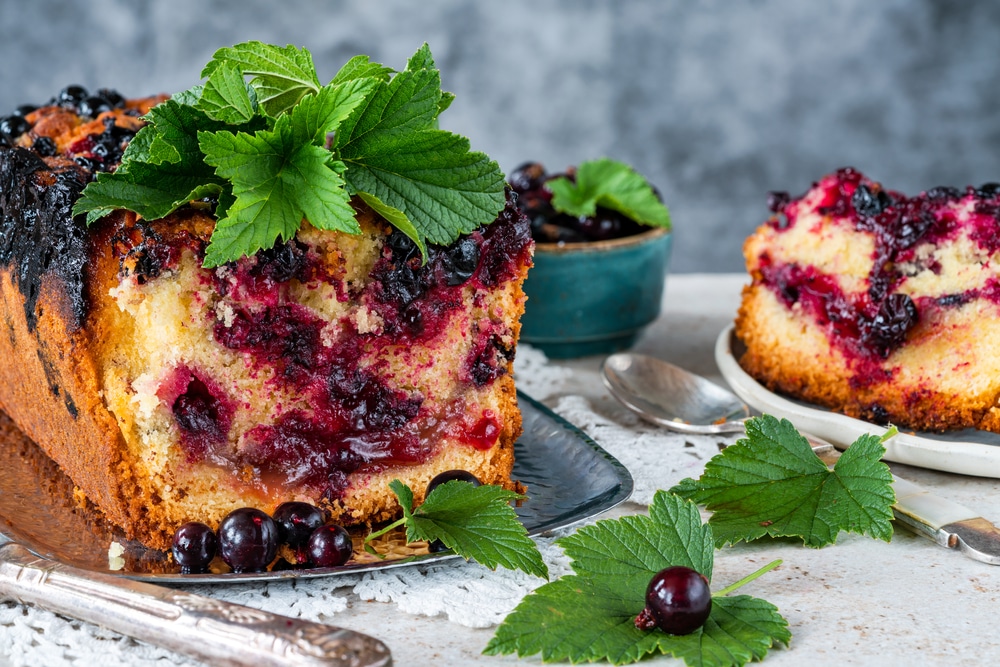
(602, 247)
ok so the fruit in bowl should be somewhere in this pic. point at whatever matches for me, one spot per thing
(602, 243)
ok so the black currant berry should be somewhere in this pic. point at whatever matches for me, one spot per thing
(437, 546)
(330, 546)
(678, 601)
(72, 95)
(450, 476)
(14, 126)
(296, 521)
(194, 547)
(248, 540)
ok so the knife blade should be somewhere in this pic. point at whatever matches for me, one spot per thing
(948, 523)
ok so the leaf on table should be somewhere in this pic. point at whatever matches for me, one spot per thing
(590, 615)
(772, 483)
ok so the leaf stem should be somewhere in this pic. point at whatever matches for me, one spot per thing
(747, 579)
(395, 524)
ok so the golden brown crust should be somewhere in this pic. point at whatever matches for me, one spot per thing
(50, 390)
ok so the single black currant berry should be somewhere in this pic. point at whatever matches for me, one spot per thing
(437, 546)
(72, 95)
(112, 97)
(44, 146)
(527, 176)
(194, 547)
(330, 546)
(459, 261)
(93, 106)
(678, 601)
(451, 476)
(14, 126)
(296, 522)
(248, 540)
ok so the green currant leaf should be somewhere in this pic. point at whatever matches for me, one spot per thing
(590, 615)
(276, 183)
(281, 148)
(772, 483)
(361, 67)
(226, 96)
(281, 76)
(613, 185)
(394, 152)
(477, 523)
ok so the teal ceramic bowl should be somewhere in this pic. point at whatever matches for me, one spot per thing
(594, 298)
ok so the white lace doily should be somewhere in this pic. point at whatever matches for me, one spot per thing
(464, 593)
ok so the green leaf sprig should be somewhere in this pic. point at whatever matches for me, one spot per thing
(771, 483)
(590, 615)
(476, 522)
(275, 146)
(610, 184)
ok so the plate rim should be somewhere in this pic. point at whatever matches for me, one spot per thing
(962, 456)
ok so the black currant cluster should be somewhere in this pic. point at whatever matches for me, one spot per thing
(75, 98)
(530, 181)
(100, 151)
(678, 601)
(248, 539)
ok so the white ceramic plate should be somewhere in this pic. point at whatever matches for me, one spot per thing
(969, 452)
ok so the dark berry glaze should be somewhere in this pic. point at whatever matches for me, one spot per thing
(48, 154)
(867, 327)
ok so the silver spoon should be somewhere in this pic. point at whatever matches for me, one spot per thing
(670, 396)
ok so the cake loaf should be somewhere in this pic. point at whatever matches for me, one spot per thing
(879, 305)
(318, 369)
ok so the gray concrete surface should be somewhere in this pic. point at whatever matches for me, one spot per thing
(716, 102)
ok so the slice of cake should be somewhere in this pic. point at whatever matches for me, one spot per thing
(318, 367)
(879, 305)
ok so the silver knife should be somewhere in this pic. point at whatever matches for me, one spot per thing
(210, 630)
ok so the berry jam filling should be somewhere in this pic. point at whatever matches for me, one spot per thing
(349, 416)
(286, 337)
(873, 326)
(264, 278)
(201, 410)
(488, 360)
(866, 332)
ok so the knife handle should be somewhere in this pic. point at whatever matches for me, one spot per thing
(927, 513)
(214, 631)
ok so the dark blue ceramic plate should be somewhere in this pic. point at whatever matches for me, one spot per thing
(568, 476)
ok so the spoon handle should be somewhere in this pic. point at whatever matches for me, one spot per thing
(214, 631)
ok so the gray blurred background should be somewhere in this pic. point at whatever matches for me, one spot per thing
(715, 102)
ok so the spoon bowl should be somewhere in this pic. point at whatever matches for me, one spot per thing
(670, 396)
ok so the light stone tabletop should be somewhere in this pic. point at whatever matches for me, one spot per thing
(859, 602)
